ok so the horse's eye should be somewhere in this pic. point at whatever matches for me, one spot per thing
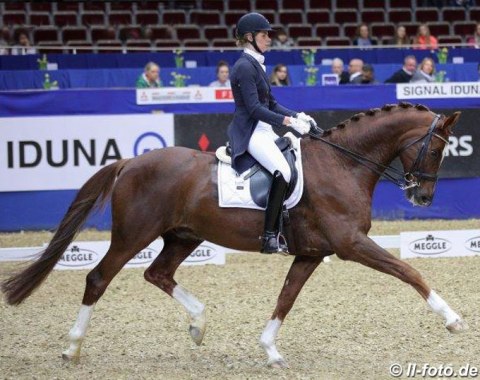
(434, 153)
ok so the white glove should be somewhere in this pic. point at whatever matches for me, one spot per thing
(301, 126)
(303, 116)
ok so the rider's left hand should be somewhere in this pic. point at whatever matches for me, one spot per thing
(303, 116)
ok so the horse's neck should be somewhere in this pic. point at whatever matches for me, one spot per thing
(376, 137)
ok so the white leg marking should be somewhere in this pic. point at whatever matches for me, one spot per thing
(78, 331)
(267, 340)
(453, 322)
(195, 309)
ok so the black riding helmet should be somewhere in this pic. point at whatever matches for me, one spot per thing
(252, 23)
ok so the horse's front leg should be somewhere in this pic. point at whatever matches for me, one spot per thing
(301, 269)
(365, 251)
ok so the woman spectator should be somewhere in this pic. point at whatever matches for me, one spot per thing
(424, 40)
(425, 72)
(401, 37)
(279, 76)
(362, 37)
(474, 41)
(22, 44)
(282, 41)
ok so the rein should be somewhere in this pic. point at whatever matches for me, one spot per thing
(401, 179)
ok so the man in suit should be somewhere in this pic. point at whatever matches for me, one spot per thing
(337, 68)
(406, 72)
(355, 70)
(251, 135)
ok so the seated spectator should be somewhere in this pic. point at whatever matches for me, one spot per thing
(425, 72)
(424, 40)
(401, 38)
(355, 70)
(150, 77)
(282, 41)
(279, 76)
(368, 75)
(362, 37)
(406, 72)
(4, 40)
(474, 40)
(337, 68)
(223, 74)
(22, 44)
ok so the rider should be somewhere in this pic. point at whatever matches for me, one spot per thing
(250, 132)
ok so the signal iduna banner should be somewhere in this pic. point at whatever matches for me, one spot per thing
(62, 152)
(433, 244)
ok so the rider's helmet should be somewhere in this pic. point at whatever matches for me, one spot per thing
(251, 23)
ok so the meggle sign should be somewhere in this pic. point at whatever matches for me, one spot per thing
(440, 243)
(62, 152)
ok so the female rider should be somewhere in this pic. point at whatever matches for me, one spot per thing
(251, 135)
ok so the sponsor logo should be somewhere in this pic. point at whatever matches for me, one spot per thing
(144, 257)
(143, 96)
(473, 244)
(148, 141)
(460, 146)
(430, 245)
(223, 94)
(201, 254)
(172, 96)
(198, 95)
(77, 257)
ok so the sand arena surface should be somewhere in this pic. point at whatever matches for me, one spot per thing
(349, 322)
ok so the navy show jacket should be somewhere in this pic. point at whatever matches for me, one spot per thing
(253, 102)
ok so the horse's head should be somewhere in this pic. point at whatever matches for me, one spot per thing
(422, 156)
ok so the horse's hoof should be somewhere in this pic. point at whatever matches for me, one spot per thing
(457, 327)
(197, 328)
(69, 358)
(278, 363)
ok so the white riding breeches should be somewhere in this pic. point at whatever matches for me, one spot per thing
(263, 148)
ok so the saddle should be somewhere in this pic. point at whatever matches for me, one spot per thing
(261, 179)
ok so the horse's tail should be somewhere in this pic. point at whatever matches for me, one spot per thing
(93, 195)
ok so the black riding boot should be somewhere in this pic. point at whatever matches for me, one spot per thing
(270, 239)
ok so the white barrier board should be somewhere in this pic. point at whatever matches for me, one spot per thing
(176, 95)
(87, 254)
(436, 244)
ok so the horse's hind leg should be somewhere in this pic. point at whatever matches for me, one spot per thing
(365, 251)
(161, 273)
(97, 281)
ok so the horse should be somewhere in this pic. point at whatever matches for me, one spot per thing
(172, 193)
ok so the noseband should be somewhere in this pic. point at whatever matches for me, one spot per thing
(403, 180)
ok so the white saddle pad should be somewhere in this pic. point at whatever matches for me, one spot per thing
(234, 190)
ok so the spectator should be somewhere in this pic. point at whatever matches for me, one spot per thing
(406, 72)
(223, 74)
(368, 75)
(4, 40)
(362, 37)
(22, 44)
(150, 77)
(338, 68)
(474, 40)
(401, 38)
(355, 70)
(424, 40)
(425, 72)
(282, 41)
(280, 76)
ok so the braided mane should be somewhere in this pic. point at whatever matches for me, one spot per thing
(374, 111)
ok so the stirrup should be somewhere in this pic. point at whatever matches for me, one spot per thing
(274, 243)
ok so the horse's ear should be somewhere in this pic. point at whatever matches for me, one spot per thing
(450, 122)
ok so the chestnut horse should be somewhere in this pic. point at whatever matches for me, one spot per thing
(172, 193)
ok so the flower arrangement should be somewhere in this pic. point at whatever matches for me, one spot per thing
(178, 58)
(179, 80)
(442, 55)
(308, 57)
(48, 85)
(440, 76)
(311, 75)
(42, 63)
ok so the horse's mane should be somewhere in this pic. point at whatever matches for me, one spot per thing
(374, 111)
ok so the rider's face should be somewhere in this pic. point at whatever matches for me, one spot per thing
(263, 41)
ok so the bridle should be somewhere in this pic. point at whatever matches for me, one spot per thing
(404, 180)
